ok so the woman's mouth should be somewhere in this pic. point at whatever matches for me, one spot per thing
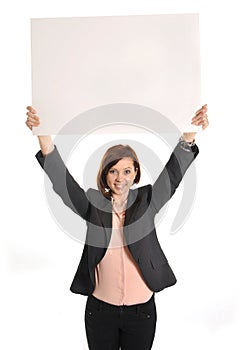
(119, 186)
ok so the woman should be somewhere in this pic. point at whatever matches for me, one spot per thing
(122, 263)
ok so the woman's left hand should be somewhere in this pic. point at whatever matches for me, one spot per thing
(200, 118)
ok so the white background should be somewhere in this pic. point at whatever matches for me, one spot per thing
(38, 260)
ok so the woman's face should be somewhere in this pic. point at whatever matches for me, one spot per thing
(120, 177)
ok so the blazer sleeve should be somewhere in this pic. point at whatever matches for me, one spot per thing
(172, 174)
(63, 183)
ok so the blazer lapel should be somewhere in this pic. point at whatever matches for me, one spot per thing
(131, 206)
(105, 214)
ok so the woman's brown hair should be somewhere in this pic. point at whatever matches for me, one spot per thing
(111, 157)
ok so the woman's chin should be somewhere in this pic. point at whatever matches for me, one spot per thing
(119, 191)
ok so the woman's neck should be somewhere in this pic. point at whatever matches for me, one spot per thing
(120, 202)
(119, 199)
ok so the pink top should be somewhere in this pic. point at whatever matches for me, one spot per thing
(118, 277)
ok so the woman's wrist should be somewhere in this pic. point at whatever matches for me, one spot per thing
(46, 144)
(189, 136)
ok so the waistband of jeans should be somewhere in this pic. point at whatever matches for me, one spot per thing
(104, 304)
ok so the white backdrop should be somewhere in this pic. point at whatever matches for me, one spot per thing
(38, 260)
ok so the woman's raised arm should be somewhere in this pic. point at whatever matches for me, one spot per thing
(183, 155)
(63, 182)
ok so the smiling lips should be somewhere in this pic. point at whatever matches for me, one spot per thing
(119, 186)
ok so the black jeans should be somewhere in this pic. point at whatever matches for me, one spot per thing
(110, 327)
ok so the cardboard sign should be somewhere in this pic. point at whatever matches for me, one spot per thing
(86, 63)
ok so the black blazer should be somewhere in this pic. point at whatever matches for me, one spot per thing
(139, 230)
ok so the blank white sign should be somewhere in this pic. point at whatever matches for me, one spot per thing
(82, 63)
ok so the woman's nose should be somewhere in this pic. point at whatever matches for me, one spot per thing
(119, 177)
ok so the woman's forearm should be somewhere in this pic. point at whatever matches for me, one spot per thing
(46, 144)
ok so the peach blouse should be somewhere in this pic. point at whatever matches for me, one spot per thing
(118, 277)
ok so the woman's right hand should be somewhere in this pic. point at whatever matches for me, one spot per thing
(32, 119)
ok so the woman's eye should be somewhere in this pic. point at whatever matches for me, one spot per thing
(127, 172)
(112, 171)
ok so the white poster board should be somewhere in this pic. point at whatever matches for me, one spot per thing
(82, 63)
